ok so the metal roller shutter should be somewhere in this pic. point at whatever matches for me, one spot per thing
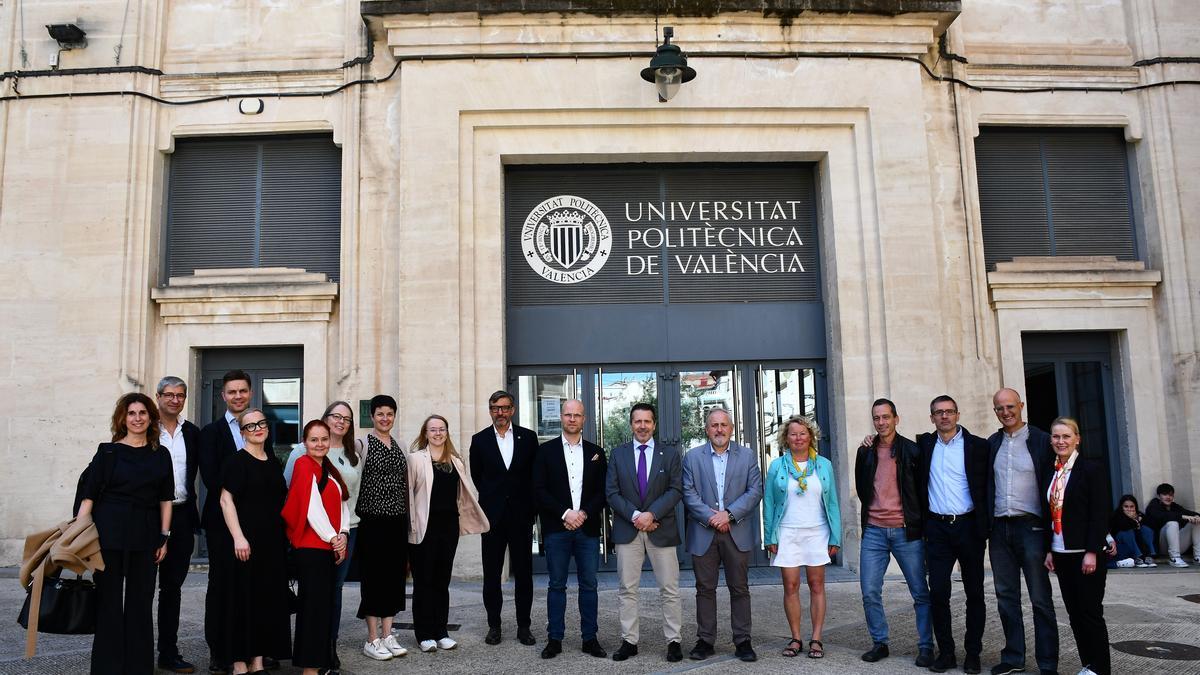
(1054, 192)
(255, 202)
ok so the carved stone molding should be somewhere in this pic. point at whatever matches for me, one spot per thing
(269, 294)
(1072, 281)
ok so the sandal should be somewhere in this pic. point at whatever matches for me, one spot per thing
(816, 650)
(790, 651)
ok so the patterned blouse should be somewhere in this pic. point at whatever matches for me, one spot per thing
(384, 487)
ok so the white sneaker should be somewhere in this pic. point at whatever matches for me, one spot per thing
(389, 643)
(1140, 563)
(428, 646)
(376, 650)
(446, 643)
(1125, 562)
(1149, 562)
(1178, 562)
(1087, 671)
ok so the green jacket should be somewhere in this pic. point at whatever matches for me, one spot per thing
(775, 498)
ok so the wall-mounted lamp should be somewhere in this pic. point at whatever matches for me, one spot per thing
(668, 69)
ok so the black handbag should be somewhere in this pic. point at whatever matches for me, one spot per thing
(68, 607)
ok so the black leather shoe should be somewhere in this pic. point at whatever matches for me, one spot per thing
(1003, 668)
(971, 664)
(877, 652)
(493, 636)
(552, 649)
(625, 651)
(175, 664)
(745, 652)
(674, 652)
(593, 647)
(924, 658)
(524, 636)
(945, 661)
(701, 651)
(217, 669)
(270, 663)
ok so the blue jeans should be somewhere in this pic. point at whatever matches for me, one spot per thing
(1018, 547)
(1136, 544)
(339, 580)
(877, 544)
(561, 547)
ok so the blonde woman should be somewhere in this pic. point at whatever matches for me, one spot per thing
(803, 526)
(443, 507)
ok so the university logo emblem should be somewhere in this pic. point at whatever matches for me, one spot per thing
(566, 239)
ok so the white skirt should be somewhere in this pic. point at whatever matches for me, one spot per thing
(802, 546)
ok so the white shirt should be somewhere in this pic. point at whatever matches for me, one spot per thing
(720, 460)
(237, 431)
(637, 453)
(804, 510)
(574, 457)
(505, 443)
(949, 494)
(178, 449)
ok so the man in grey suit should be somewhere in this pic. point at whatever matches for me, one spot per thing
(722, 486)
(644, 484)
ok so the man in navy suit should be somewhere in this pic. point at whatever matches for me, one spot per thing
(219, 441)
(501, 458)
(722, 486)
(645, 482)
(181, 439)
(568, 484)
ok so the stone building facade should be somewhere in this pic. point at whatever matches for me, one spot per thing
(441, 116)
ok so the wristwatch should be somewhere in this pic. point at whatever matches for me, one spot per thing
(731, 518)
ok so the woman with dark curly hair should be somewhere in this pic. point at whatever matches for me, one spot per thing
(128, 492)
(1135, 541)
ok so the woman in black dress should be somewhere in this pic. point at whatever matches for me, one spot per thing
(1077, 502)
(382, 531)
(252, 496)
(128, 493)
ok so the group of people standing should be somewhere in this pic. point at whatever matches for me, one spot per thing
(1025, 494)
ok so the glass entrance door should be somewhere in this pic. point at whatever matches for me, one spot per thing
(759, 396)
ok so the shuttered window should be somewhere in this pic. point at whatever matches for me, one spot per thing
(255, 202)
(1054, 192)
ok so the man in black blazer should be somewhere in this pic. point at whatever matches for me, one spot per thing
(568, 484)
(955, 466)
(181, 439)
(645, 483)
(501, 458)
(219, 441)
(1022, 465)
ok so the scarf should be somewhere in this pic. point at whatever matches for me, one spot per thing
(1062, 472)
(794, 471)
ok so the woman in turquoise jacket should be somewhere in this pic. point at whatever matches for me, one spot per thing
(803, 525)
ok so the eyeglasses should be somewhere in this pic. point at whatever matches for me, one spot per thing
(943, 413)
(254, 426)
(500, 408)
(170, 396)
(346, 419)
(1002, 408)
(436, 430)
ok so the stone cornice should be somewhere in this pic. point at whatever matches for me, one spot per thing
(246, 295)
(783, 9)
(1091, 281)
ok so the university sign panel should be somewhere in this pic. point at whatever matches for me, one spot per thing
(655, 244)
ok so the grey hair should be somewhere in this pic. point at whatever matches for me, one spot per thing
(170, 381)
(709, 413)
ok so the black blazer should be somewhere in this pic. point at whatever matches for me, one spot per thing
(191, 443)
(1085, 508)
(215, 446)
(976, 453)
(504, 492)
(553, 492)
(1043, 466)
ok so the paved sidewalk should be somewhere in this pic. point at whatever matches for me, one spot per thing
(1140, 605)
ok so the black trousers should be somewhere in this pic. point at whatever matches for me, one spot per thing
(382, 551)
(313, 643)
(432, 564)
(514, 535)
(171, 572)
(945, 544)
(1083, 595)
(124, 642)
(216, 598)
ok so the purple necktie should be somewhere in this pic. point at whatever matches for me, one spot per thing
(642, 480)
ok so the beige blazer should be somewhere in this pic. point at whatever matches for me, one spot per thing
(471, 519)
